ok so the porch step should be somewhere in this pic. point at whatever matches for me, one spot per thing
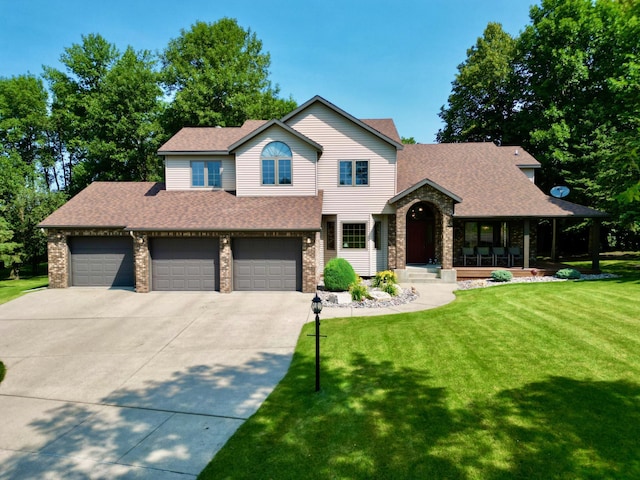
(422, 275)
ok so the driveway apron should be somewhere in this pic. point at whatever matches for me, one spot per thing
(112, 384)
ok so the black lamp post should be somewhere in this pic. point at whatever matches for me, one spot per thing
(316, 307)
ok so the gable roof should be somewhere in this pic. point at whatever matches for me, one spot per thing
(276, 123)
(486, 178)
(149, 206)
(386, 132)
(208, 139)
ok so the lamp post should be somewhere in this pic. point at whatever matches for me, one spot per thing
(316, 307)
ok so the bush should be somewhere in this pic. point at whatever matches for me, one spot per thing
(358, 291)
(339, 275)
(568, 273)
(2, 371)
(501, 276)
(385, 277)
(391, 288)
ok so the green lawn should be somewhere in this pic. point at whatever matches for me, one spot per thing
(516, 381)
(10, 289)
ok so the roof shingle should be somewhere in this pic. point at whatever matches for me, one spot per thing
(149, 206)
(487, 179)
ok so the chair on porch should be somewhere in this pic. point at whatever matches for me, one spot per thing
(514, 254)
(500, 255)
(484, 252)
(470, 253)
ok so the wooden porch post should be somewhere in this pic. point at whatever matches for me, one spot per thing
(595, 245)
(527, 244)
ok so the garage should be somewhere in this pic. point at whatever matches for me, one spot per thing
(273, 264)
(184, 264)
(101, 261)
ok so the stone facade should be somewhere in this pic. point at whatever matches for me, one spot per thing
(443, 208)
(59, 254)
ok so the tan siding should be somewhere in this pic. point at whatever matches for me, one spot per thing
(249, 171)
(530, 173)
(344, 140)
(360, 259)
(178, 171)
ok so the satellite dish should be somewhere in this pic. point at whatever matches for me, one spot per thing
(560, 191)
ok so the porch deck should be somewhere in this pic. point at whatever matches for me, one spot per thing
(541, 268)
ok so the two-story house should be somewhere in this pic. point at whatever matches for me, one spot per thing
(264, 206)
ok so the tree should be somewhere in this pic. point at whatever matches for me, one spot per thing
(569, 91)
(9, 250)
(482, 104)
(107, 108)
(218, 76)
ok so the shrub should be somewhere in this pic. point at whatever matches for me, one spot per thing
(2, 371)
(358, 291)
(391, 288)
(338, 275)
(501, 276)
(568, 273)
(384, 277)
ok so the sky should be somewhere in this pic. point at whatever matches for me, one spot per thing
(372, 58)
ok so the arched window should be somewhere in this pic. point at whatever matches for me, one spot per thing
(276, 164)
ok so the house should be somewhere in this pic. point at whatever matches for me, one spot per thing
(264, 206)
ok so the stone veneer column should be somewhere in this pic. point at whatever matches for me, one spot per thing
(393, 244)
(226, 271)
(141, 262)
(58, 255)
(309, 280)
(447, 242)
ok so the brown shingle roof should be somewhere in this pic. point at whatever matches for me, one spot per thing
(208, 139)
(148, 206)
(485, 177)
(385, 126)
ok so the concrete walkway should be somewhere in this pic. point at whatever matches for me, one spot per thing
(113, 384)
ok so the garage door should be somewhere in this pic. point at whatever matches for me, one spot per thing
(101, 261)
(184, 263)
(267, 264)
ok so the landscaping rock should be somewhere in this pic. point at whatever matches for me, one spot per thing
(379, 295)
(340, 298)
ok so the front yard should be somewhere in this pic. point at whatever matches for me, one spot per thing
(517, 381)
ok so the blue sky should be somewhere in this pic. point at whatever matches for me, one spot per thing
(373, 58)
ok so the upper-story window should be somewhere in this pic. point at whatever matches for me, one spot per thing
(276, 164)
(206, 174)
(354, 172)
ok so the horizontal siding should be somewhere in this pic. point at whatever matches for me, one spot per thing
(359, 258)
(303, 166)
(344, 140)
(178, 171)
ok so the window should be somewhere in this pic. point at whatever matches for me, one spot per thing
(486, 234)
(354, 235)
(354, 172)
(331, 235)
(276, 164)
(377, 234)
(206, 174)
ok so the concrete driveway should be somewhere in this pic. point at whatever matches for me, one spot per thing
(113, 384)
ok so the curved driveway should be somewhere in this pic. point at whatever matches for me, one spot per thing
(113, 384)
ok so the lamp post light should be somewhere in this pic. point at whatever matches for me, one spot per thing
(316, 307)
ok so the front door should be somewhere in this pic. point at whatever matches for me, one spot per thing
(420, 234)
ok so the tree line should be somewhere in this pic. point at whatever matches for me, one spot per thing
(104, 114)
(567, 89)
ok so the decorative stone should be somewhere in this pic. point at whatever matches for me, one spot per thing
(340, 298)
(379, 295)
